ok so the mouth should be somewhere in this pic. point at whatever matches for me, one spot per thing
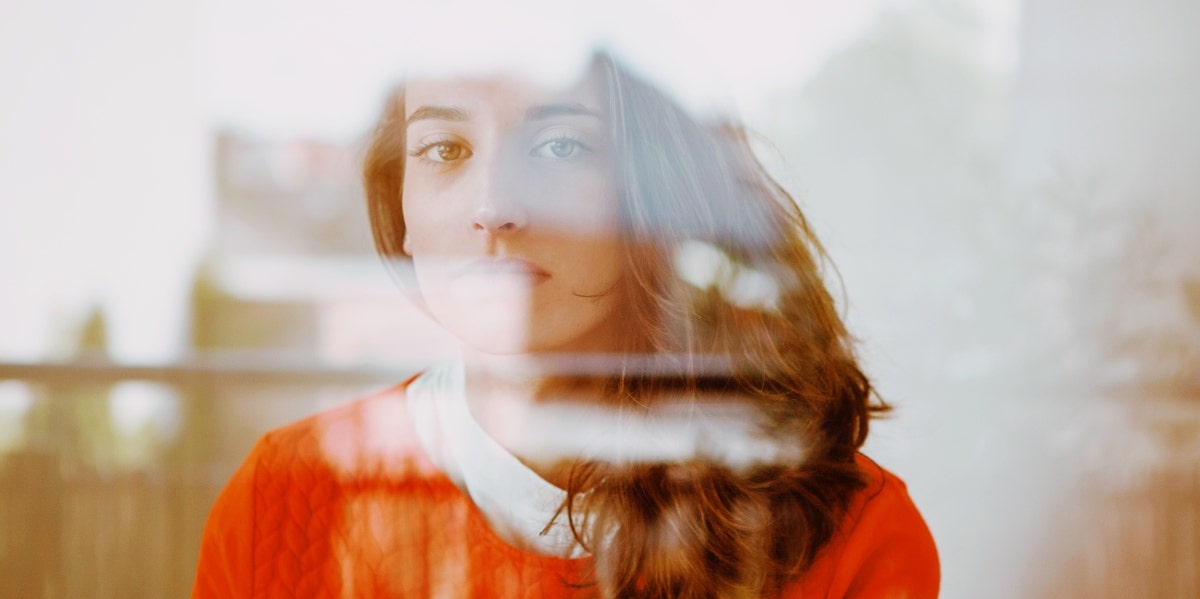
(506, 267)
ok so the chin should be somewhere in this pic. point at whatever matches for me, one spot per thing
(504, 335)
(517, 344)
(495, 340)
(494, 347)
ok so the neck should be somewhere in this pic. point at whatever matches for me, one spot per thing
(513, 396)
(521, 382)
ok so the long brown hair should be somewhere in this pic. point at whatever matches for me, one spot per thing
(702, 528)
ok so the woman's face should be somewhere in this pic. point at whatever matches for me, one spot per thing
(511, 213)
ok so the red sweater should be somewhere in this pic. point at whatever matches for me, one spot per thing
(347, 504)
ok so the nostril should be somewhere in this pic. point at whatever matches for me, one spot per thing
(505, 227)
(489, 219)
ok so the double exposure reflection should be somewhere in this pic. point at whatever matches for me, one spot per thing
(655, 395)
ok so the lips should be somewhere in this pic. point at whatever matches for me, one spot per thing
(507, 266)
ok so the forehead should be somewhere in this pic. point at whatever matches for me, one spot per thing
(504, 94)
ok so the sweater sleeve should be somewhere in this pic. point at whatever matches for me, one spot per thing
(225, 567)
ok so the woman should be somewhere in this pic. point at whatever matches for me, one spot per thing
(656, 396)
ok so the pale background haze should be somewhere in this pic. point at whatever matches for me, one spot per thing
(1009, 191)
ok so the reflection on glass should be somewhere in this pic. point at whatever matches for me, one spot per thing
(1011, 207)
(654, 394)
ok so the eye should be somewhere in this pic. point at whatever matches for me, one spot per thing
(560, 148)
(442, 152)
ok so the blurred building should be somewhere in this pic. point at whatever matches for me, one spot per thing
(288, 197)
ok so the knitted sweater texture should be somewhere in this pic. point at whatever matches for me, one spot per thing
(347, 504)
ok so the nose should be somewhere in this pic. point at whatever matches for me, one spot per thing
(492, 217)
(499, 209)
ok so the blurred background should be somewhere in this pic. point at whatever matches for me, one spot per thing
(1010, 191)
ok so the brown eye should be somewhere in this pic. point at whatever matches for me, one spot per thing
(443, 152)
(448, 152)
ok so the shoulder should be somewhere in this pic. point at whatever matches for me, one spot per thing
(371, 437)
(296, 477)
(884, 503)
(883, 547)
(890, 525)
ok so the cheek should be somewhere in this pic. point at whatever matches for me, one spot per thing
(429, 220)
(574, 202)
(580, 219)
(599, 264)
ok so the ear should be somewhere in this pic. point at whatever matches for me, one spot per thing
(406, 245)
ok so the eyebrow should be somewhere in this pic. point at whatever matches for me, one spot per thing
(444, 113)
(546, 111)
(537, 113)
